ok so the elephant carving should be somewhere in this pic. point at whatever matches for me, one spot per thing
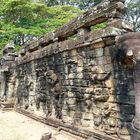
(130, 44)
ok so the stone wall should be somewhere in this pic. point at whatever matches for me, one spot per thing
(80, 81)
(85, 86)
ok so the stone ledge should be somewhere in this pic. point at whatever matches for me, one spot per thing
(96, 39)
(92, 17)
(121, 24)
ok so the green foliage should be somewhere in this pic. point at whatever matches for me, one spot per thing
(133, 13)
(23, 20)
(73, 37)
(17, 48)
(99, 26)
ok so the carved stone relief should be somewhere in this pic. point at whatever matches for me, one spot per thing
(98, 94)
(48, 91)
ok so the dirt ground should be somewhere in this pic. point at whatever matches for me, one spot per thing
(14, 126)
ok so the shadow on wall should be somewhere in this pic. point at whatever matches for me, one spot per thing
(123, 73)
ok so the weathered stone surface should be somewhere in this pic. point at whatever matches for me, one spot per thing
(46, 136)
(89, 38)
(119, 23)
(80, 82)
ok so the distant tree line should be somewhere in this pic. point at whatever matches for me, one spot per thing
(82, 4)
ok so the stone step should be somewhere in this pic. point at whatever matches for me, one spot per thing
(7, 105)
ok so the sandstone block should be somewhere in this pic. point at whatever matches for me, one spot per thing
(46, 136)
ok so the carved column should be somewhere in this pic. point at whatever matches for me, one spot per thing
(136, 121)
(130, 42)
(136, 60)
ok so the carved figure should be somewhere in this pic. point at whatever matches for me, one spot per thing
(99, 94)
(23, 92)
(48, 91)
(97, 76)
(101, 115)
(104, 120)
(55, 91)
(41, 91)
(31, 94)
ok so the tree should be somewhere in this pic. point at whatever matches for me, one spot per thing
(30, 19)
(133, 13)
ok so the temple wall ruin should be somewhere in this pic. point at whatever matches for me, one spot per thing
(79, 80)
